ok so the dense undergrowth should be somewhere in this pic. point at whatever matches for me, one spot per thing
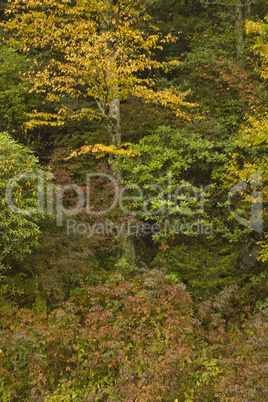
(137, 339)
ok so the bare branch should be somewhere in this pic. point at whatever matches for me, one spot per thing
(85, 111)
(67, 108)
(207, 3)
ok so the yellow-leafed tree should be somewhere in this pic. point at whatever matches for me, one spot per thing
(95, 53)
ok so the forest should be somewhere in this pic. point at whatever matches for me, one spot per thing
(133, 200)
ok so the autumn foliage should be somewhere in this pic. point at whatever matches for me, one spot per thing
(163, 296)
(135, 340)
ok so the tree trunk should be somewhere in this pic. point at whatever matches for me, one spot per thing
(239, 21)
(114, 117)
(248, 6)
(239, 29)
(113, 123)
(127, 255)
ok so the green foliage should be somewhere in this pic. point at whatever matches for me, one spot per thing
(186, 180)
(19, 170)
(175, 181)
(204, 266)
(14, 92)
(249, 165)
(16, 101)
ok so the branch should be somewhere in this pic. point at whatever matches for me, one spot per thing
(148, 4)
(67, 108)
(207, 3)
(86, 111)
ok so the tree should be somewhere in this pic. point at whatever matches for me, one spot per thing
(16, 101)
(183, 167)
(241, 8)
(94, 54)
(260, 47)
(205, 184)
(253, 142)
(91, 55)
(253, 137)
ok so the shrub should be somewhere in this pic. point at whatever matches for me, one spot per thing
(20, 174)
